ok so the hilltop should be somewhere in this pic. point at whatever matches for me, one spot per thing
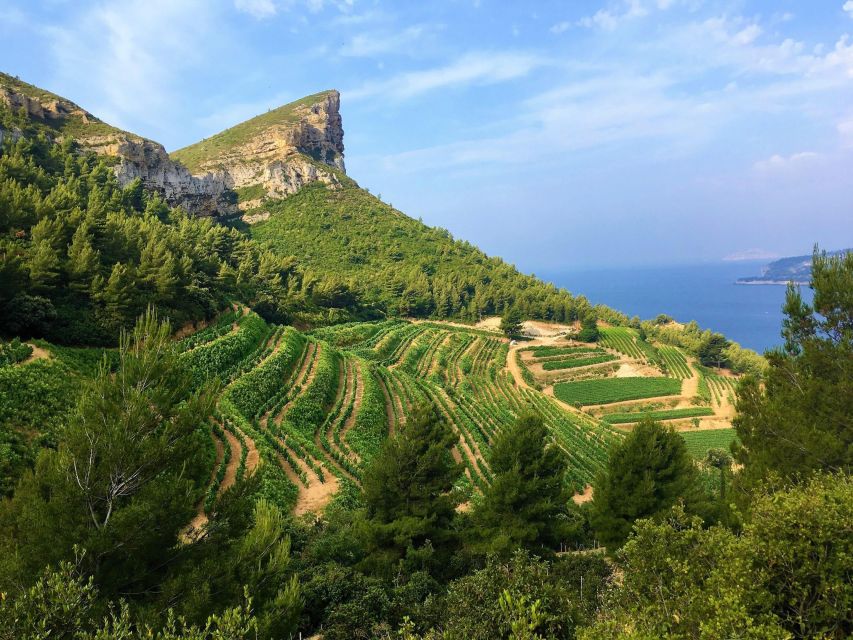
(795, 269)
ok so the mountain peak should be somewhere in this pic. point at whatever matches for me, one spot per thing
(311, 126)
(271, 155)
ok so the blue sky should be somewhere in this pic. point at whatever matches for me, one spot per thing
(555, 134)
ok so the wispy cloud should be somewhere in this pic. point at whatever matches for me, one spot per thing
(778, 162)
(129, 57)
(480, 68)
(256, 8)
(378, 43)
(848, 8)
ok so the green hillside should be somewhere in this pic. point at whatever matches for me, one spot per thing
(399, 264)
(270, 431)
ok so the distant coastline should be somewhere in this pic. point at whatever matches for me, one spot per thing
(755, 281)
(796, 270)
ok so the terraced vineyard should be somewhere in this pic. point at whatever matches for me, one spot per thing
(626, 340)
(306, 412)
(609, 390)
(698, 442)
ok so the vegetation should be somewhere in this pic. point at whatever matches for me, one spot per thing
(648, 473)
(553, 365)
(81, 257)
(14, 352)
(244, 479)
(201, 155)
(671, 414)
(798, 421)
(700, 442)
(525, 505)
(608, 390)
(416, 271)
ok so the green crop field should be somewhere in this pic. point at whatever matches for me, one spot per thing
(607, 390)
(698, 442)
(554, 365)
(675, 361)
(627, 341)
(671, 414)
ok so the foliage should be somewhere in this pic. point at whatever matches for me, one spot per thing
(410, 506)
(670, 414)
(81, 257)
(117, 485)
(786, 575)
(416, 270)
(648, 472)
(609, 390)
(589, 329)
(14, 352)
(525, 504)
(798, 420)
(511, 322)
(553, 365)
(699, 442)
(472, 609)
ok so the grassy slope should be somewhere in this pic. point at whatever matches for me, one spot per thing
(207, 150)
(74, 125)
(369, 241)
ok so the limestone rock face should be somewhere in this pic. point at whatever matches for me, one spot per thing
(276, 153)
(280, 151)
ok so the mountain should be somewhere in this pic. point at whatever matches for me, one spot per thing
(276, 153)
(795, 269)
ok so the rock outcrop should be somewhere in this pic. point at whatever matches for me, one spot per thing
(274, 154)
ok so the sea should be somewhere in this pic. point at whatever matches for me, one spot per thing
(748, 314)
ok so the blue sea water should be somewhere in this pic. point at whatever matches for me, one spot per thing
(748, 314)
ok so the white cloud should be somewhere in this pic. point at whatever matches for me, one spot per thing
(256, 8)
(126, 60)
(778, 162)
(848, 8)
(845, 130)
(610, 19)
(372, 44)
(479, 68)
(561, 27)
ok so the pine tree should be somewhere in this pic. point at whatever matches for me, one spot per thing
(525, 505)
(44, 268)
(116, 294)
(409, 498)
(797, 420)
(647, 473)
(126, 475)
(83, 260)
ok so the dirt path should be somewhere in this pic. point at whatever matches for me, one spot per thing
(190, 534)
(37, 354)
(350, 421)
(306, 375)
(462, 443)
(317, 494)
(253, 458)
(233, 464)
(584, 496)
(690, 386)
(347, 383)
(433, 367)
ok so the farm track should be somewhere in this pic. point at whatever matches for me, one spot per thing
(233, 463)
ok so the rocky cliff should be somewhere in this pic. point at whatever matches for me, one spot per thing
(274, 154)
